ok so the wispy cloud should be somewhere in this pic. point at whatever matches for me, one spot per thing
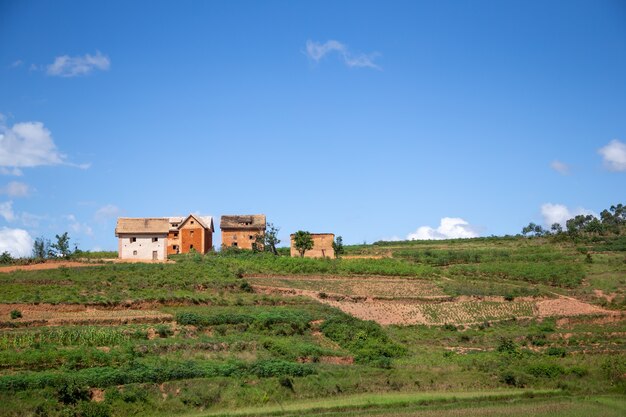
(316, 51)
(614, 155)
(449, 228)
(107, 212)
(78, 227)
(560, 167)
(15, 189)
(72, 66)
(6, 211)
(16, 172)
(17, 63)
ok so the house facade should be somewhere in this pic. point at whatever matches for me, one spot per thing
(156, 238)
(322, 246)
(241, 230)
(142, 238)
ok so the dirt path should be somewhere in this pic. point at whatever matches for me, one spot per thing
(46, 265)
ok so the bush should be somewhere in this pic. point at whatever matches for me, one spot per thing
(556, 351)
(507, 346)
(16, 314)
(93, 409)
(365, 339)
(545, 370)
(71, 392)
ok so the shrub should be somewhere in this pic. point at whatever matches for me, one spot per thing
(71, 392)
(556, 351)
(16, 314)
(93, 409)
(545, 370)
(365, 339)
(507, 346)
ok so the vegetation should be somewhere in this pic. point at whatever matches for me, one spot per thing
(222, 344)
(338, 246)
(303, 242)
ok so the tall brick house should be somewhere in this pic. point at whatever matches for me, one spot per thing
(190, 233)
(322, 246)
(241, 230)
(155, 238)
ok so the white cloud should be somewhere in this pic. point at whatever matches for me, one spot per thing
(27, 144)
(614, 155)
(316, 51)
(560, 167)
(16, 172)
(30, 220)
(72, 66)
(109, 211)
(449, 228)
(559, 213)
(17, 242)
(15, 189)
(6, 211)
(78, 227)
(17, 63)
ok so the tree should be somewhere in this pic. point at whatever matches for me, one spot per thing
(62, 245)
(303, 241)
(556, 228)
(41, 248)
(271, 238)
(5, 258)
(338, 246)
(536, 229)
(267, 242)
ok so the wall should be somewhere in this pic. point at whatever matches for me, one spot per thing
(144, 246)
(242, 237)
(193, 234)
(173, 239)
(322, 246)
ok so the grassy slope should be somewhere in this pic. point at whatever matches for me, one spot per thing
(244, 348)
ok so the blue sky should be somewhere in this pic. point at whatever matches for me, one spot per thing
(372, 120)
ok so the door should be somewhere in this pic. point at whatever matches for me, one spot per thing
(155, 255)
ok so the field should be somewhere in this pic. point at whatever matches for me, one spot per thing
(491, 326)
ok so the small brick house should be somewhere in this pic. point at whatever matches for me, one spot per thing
(156, 238)
(322, 246)
(241, 230)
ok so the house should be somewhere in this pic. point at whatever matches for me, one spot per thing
(155, 238)
(322, 246)
(142, 238)
(241, 230)
(190, 233)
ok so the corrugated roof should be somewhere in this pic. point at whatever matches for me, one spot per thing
(243, 221)
(142, 225)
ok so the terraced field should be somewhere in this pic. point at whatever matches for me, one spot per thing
(477, 327)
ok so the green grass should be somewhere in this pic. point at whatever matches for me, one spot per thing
(229, 350)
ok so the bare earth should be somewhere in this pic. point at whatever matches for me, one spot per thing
(55, 315)
(418, 302)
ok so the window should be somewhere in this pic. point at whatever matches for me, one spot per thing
(175, 247)
(133, 239)
(191, 233)
(175, 234)
(190, 247)
(191, 222)
(251, 237)
(235, 237)
(234, 243)
(155, 239)
(135, 253)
